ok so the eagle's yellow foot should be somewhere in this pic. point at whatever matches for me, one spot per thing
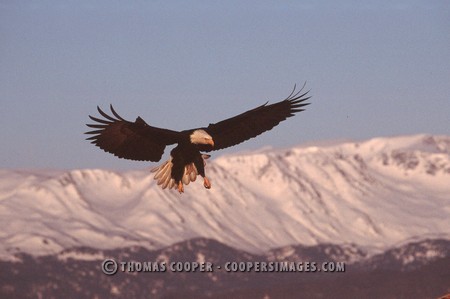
(206, 183)
(180, 187)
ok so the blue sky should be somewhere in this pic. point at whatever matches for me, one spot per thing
(378, 68)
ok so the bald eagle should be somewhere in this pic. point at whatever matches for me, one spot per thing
(139, 141)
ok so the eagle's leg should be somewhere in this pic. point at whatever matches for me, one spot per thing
(206, 183)
(205, 157)
(180, 187)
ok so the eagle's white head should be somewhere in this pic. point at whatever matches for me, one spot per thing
(201, 137)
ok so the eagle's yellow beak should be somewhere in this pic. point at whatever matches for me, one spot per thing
(211, 142)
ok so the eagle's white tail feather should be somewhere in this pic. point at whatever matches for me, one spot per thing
(162, 174)
(161, 170)
(185, 180)
(165, 177)
(172, 184)
(193, 174)
(190, 174)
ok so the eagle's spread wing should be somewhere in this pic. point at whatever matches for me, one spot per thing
(250, 124)
(125, 139)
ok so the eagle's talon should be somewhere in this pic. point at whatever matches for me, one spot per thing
(180, 187)
(206, 183)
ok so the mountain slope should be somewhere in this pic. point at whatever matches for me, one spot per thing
(375, 194)
(415, 270)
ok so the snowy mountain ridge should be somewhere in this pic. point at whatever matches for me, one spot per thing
(375, 194)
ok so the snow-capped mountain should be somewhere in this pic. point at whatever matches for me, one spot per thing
(373, 194)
